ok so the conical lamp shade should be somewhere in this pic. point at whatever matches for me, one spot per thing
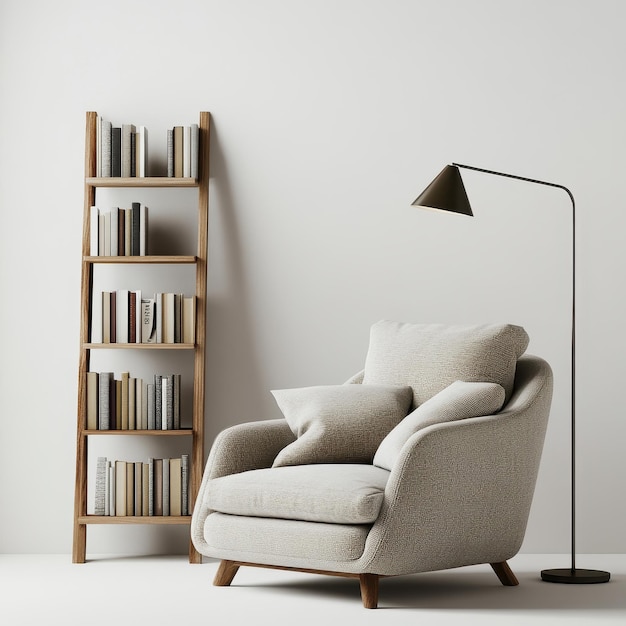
(446, 193)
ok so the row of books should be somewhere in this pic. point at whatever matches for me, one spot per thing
(124, 316)
(119, 231)
(132, 403)
(159, 487)
(122, 151)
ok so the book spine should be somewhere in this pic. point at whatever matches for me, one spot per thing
(158, 402)
(116, 151)
(132, 403)
(142, 152)
(104, 407)
(166, 486)
(132, 317)
(138, 480)
(133, 154)
(170, 152)
(195, 140)
(150, 407)
(169, 402)
(145, 489)
(130, 488)
(150, 487)
(186, 151)
(143, 230)
(175, 487)
(106, 149)
(92, 400)
(178, 151)
(158, 487)
(126, 149)
(135, 226)
(120, 488)
(100, 499)
(111, 468)
(94, 231)
(184, 487)
(113, 236)
(177, 386)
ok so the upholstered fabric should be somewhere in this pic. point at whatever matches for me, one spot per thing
(459, 400)
(339, 423)
(285, 542)
(459, 494)
(429, 357)
(316, 493)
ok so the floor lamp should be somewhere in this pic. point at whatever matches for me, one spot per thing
(447, 193)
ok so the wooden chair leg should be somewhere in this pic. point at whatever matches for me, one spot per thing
(225, 573)
(504, 573)
(369, 590)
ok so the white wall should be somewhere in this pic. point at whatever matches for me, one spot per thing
(329, 117)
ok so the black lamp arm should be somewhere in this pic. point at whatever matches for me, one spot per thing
(573, 390)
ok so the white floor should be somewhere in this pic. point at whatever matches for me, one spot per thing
(49, 589)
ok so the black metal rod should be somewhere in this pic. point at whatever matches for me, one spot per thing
(573, 365)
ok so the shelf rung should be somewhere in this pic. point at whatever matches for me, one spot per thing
(134, 519)
(139, 346)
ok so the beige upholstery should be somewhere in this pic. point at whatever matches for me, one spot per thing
(458, 493)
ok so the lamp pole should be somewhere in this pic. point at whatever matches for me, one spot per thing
(447, 193)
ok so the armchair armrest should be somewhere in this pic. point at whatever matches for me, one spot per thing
(249, 446)
(466, 485)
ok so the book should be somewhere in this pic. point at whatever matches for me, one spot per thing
(100, 492)
(145, 489)
(124, 400)
(170, 152)
(138, 483)
(148, 320)
(168, 318)
(127, 233)
(142, 152)
(186, 151)
(143, 230)
(184, 489)
(105, 381)
(158, 487)
(105, 148)
(126, 149)
(168, 402)
(133, 154)
(165, 464)
(132, 403)
(116, 418)
(134, 229)
(158, 402)
(92, 400)
(144, 403)
(113, 316)
(94, 231)
(178, 151)
(175, 487)
(130, 488)
(111, 487)
(195, 141)
(176, 401)
(158, 319)
(178, 317)
(120, 488)
(121, 317)
(150, 407)
(116, 151)
(189, 319)
(107, 234)
(113, 236)
(150, 486)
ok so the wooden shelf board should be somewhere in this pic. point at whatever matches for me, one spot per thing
(152, 181)
(134, 519)
(139, 346)
(183, 432)
(164, 259)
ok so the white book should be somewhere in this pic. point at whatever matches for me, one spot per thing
(142, 152)
(143, 230)
(158, 322)
(121, 316)
(94, 231)
(186, 151)
(96, 317)
(107, 499)
(101, 226)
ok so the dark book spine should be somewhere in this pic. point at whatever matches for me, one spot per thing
(135, 226)
(133, 154)
(132, 317)
(116, 151)
(121, 232)
(158, 402)
(184, 463)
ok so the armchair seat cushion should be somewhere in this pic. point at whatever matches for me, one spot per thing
(335, 494)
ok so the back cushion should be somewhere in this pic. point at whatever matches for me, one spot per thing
(429, 357)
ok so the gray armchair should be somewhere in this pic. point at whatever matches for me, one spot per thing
(456, 490)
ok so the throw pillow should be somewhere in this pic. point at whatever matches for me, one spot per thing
(429, 357)
(458, 401)
(339, 423)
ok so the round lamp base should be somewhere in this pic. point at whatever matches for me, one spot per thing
(575, 576)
